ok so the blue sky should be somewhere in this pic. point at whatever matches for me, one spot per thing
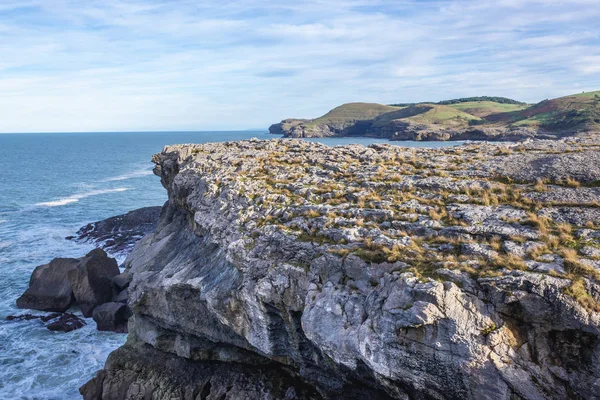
(105, 65)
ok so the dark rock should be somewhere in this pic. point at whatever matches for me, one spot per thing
(23, 317)
(59, 322)
(92, 280)
(111, 317)
(118, 234)
(65, 323)
(121, 297)
(49, 288)
(160, 375)
(122, 280)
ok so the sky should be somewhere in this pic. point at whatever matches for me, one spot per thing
(107, 65)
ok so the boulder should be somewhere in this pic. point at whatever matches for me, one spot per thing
(92, 280)
(121, 297)
(122, 280)
(49, 287)
(111, 317)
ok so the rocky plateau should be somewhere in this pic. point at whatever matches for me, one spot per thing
(285, 269)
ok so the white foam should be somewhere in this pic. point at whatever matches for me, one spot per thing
(130, 175)
(75, 198)
(2, 221)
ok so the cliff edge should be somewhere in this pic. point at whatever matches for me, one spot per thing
(285, 269)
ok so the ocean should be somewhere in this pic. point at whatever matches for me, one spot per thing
(51, 184)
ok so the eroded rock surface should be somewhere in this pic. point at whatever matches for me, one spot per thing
(377, 272)
(118, 235)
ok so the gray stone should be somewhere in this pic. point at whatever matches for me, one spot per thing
(49, 287)
(119, 234)
(122, 280)
(92, 280)
(111, 317)
(355, 303)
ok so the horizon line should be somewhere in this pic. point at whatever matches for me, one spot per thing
(266, 130)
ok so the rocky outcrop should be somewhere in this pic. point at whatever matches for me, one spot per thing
(92, 280)
(400, 129)
(49, 287)
(118, 235)
(284, 126)
(91, 283)
(292, 270)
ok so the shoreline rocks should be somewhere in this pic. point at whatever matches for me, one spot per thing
(56, 322)
(92, 280)
(49, 287)
(88, 282)
(118, 234)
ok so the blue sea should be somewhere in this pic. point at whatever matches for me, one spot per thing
(51, 184)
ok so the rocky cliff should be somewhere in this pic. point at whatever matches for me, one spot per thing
(285, 269)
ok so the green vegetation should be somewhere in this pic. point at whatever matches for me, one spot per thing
(580, 112)
(491, 99)
(577, 112)
(352, 112)
(483, 109)
(428, 114)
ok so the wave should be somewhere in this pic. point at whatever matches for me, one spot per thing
(129, 175)
(75, 198)
(2, 221)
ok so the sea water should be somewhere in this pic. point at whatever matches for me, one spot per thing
(50, 186)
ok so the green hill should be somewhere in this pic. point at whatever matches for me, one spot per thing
(579, 112)
(428, 114)
(476, 117)
(352, 112)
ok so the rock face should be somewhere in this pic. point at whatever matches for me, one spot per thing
(286, 269)
(111, 317)
(92, 280)
(49, 288)
(119, 234)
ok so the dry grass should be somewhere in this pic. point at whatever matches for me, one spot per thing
(540, 186)
(570, 182)
(540, 222)
(578, 291)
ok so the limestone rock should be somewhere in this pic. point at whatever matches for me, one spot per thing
(358, 272)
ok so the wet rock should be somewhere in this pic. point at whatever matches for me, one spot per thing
(92, 280)
(65, 322)
(111, 317)
(119, 234)
(57, 322)
(49, 287)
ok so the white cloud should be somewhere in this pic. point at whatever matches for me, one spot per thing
(136, 65)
